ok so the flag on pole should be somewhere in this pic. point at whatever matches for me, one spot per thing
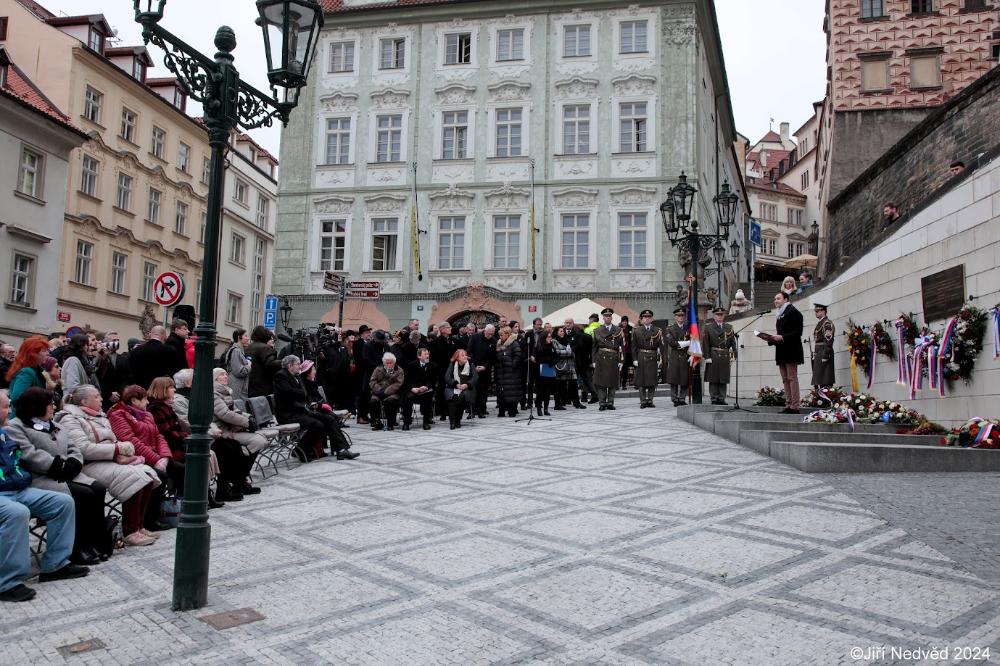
(415, 242)
(531, 226)
(694, 350)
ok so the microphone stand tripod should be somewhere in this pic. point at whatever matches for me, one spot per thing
(736, 407)
(531, 407)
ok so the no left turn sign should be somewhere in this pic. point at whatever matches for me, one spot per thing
(168, 289)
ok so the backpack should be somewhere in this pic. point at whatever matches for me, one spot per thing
(223, 360)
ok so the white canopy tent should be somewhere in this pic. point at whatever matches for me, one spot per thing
(579, 311)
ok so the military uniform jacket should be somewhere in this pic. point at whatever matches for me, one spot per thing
(823, 353)
(607, 354)
(677, 358)
(716, 343)
(647, 350)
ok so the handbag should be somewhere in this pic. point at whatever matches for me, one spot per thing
(111, 537)
(546, 370)
(170, 510)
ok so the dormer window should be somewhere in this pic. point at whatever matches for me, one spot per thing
(179, 98)
(138, 70)
(95, 40)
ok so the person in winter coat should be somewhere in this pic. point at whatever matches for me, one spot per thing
(53, 379)
(179, 331)
(565, 383)
(78, 366)
(110, 461)
(291, 405)
(482, 348)
(264, 363)
(26, 371)
(56, 463)
(386, 385)
(153, 358)
(238, 365)
(238, 427)
(460, 387)
(509, 360)
(545, 357)
(161, 406)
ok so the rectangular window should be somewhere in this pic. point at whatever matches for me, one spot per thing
(183, 157)
(128, 125)
(921, 6)
(872, 9)
(633, 36)
(454, 134)
(22, 270)
(332, 245)
(234, 307)
(925, 71)
(576, 41)
(92, 101)
(385, 238)
(633, 127)
(148, 280)
(153, 210)
(29, 178)
(458, 49)
(771, 246)
(138, 70)
(976, 4)
(795, 216)
(88, 177)
(874, 74)
(119, 268)
(338, 140)
(204, 226)
(257, 288)
(506, 241)
(3, 28)
(510, 44)
(206, 170)
(509, 132)
(181, 219)
(159, 140)
(575, 240)
(123, 197)
(240, 191)
(632, 240)
(342, 57)
(389, 138)
(95, 40)
(84, 261)
(576, 129)
(392, 53)
(769, 212)
(263, 207)
(795, 249)
(805, 179)
(238, 250)
(451, 243)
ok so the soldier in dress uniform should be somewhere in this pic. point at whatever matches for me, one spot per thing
(718, 343)
(677, 341)
(822, 361)
(647, 350)
(607, 359)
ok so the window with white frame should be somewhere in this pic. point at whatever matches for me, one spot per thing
(795, 248)
(458, 48)
(332, 245)
(632, 36)
(257, 286)
(506, 241)
(129, 120)
(795, 216)
(148, 280)
(29, 177)
(510, 44)
(576, 129)
(263, 208)
(770, 246)
(138, 70)
(197, 293)
(204, 226)
(123, 197)
(508, 132)
(238, 249)
(576, 41)
(338, 140)
(804, 179)
(632, 240)
(181, 219)
(451, 243)
(240, 191)
(183, 157)
(84, 262)
(88, 177)
(769, 211)
(575, 240)
(92, 102)
(206, 170)
(389, 138)
(158, 142)
(454, 134)
(119, 272)
(392, 53)
(385, 240)
(21, 280)
(234, 308)
(153, 210)
(341, 57)
(632, 123)
(95, 40)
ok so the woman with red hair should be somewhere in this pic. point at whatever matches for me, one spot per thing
(27, 368)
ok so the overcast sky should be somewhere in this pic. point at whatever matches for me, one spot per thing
(775, 51)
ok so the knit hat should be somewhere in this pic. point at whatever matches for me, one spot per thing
(740, 296)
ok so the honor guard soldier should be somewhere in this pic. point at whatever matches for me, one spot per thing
(822, 360)
(719, 345)
(647, 349)
(677, 341)
(609, 343)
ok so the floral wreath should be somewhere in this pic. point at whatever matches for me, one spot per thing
(859, 344)
(883, 341)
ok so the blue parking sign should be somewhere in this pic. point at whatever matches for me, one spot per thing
(271, 303)
(271, 312)
(755, 232)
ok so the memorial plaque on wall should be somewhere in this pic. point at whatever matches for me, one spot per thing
(943, 293)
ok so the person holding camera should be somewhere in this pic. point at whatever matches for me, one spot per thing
(264, 362)
(112, 369)
(237, 365)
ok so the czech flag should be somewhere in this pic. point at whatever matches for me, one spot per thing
(694, 351)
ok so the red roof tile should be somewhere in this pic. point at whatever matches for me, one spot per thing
(779, 188)
(20, 87)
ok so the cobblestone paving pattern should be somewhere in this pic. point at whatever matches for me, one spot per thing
(596, 538)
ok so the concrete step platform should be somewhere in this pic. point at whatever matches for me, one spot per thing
(687, 412)
(760, 440)
(731, 428)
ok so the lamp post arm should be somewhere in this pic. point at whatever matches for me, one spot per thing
(193, 69)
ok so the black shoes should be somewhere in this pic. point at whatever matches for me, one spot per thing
(427, 426)
(68, 571)
(547, 412)
(227, 492)
(18, 593)
(85, 557)
(559, 408)
(580, 405)
(602, 408)
(214, 503)
(250, 490)
(347, 454)
(611, 408)
(593, 401)
(406, 426)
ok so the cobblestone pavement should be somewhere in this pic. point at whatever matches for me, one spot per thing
(597, 538)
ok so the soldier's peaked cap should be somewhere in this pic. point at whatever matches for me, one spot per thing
(818, 306)
(607, 312)
(719, 311)
(646, 313)
(679, 311)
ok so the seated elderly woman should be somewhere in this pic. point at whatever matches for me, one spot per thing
(161, 406)
(110, 461)
(386, 386)
(291, 405)
(56, 463)
(239, 428)
(459, 386)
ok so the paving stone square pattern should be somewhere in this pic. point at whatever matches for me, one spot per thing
(594, 538)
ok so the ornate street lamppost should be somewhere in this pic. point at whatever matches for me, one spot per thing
(286, 312)
(290, 30)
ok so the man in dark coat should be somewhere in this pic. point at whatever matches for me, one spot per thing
(607, 359)
(291, 405)
(176, 340)
(530, 338)
(264, 363)
(442, 348)
(823, 335)
(787, 343)
(375, 345)
(483, 354)
(718, 344)
(677, 342)
(583, 348)
(112, 369)
(509, 358)
(647, 351)
(153, 359)
(420, 382)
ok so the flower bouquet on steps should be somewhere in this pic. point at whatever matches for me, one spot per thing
(977, 433)
(770, 397)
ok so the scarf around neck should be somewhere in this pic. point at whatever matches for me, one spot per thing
(460, 370)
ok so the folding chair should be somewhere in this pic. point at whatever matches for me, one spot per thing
(282, 438)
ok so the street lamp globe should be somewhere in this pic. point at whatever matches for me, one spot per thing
(725, 205)
(290, 30)
(734, 248)
(682, 195)
(286, 313)
(668, 214)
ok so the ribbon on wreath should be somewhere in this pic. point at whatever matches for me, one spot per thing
(917, 372)
(901, 362)
(854, 375)
(996, 332)
(871, 359)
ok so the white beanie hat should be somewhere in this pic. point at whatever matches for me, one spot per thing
(740, 296)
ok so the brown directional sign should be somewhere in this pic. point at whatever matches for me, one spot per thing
(333, 282)
(943, 293)
(368, 290)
